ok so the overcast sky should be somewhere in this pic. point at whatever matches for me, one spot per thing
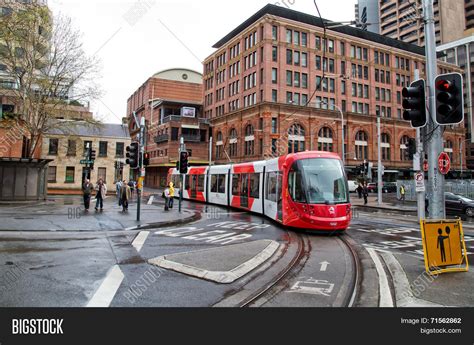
(135, 39)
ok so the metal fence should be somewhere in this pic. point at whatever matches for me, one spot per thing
(461, 187)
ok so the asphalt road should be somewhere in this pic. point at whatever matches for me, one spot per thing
(62, 269)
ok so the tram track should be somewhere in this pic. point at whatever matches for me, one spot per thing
(293, 267)
(280, 281)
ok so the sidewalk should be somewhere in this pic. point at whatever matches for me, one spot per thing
(407, 206)
(68, 214)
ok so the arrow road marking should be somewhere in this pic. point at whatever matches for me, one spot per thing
(324, 266)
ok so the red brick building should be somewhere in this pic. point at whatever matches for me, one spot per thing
(259, 85)
(171, 102)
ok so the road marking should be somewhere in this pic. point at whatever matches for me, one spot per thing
(313, 286)
(139, 241)
(107, 290)
(386, 300)
(324, 266)
(150, 201)
(403, 293)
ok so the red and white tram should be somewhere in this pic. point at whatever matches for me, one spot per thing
(306, 190)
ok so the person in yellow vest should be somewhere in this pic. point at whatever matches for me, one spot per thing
(402, 193)
(171, 185)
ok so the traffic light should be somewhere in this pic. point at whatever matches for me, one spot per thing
(366, 168)
(449, 99)
(411, 147)
(115, 165)
(146, 159)
(132, 155)
(92, 155)
(183, 162)
(414, 103)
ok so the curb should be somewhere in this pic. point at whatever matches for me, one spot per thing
(221, 277)
(196, 216)
(384, 209)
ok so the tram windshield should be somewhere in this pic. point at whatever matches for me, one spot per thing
(318, 181)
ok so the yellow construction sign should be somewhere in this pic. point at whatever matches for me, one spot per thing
(140, 182)
(444, 247)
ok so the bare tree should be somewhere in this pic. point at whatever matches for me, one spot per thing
(49, 69)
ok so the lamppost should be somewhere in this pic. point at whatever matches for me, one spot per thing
(342, 130)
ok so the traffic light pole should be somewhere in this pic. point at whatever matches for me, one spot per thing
(181, 176)
(379, 164)
(435, 144)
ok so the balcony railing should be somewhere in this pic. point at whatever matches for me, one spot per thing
(195, 138)
(162, 138)
(178, 118)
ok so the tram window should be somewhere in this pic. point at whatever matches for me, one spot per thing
(221, 184)
(235, 184)
(271, 190)
(200, 183)
(244, 187)
(255, 186)
(295, 186)
(187, 180)
(279, 186)
(214, 183)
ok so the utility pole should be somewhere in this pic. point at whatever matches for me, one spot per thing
(379, 163)
(435, 146)
(418, 165)
(141, 171)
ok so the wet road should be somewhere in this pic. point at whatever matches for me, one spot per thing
(80, 269)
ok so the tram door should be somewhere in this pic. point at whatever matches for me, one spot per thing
(244, 190)
(279, 196)
(193, 186)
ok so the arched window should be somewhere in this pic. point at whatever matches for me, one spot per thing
(249, 141)
(296, 139)
(233, 142)
(404, 154)
(219, 144)
(386, 147)
(362, 145)
(448, 148)
(325, 142)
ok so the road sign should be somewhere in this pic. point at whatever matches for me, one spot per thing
(140, 183)
(420, 182)
(425, 165)
(444, 247)
(444, 163)
(86, 162)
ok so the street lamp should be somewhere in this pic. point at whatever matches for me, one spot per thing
(342, 129)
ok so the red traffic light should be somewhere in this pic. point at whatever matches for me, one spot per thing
(444, 85)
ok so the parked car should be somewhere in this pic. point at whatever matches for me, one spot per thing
(458, 204)
(352, 186)
(388, 187)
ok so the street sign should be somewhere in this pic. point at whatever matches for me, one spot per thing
(84, 161)
(425, 165)
(420, 182)
(140, 183)
(444, 163)
(444, 247)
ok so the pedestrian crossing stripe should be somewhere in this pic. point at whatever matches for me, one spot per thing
(444, 246)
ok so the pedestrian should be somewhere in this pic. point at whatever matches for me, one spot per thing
(365, 192)
(101, 192)
(131, 185)
(87, 189)
(402, 194)
(118, 187)
(360, 190)
(171, 201)
(125, 196)
(166, 195)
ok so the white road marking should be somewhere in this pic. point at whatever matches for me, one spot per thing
(386, 300)
(313, 286)
(139, 241)
(403, 293)
(150, 201)
(107, 290)
(324, 266)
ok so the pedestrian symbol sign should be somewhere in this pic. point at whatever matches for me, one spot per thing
(444, 247)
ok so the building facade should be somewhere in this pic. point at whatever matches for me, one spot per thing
(367, 15)
(171, 102)
(461, 53)
(258, 92)
(469, 7)
(402, 20)
(66, 174)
